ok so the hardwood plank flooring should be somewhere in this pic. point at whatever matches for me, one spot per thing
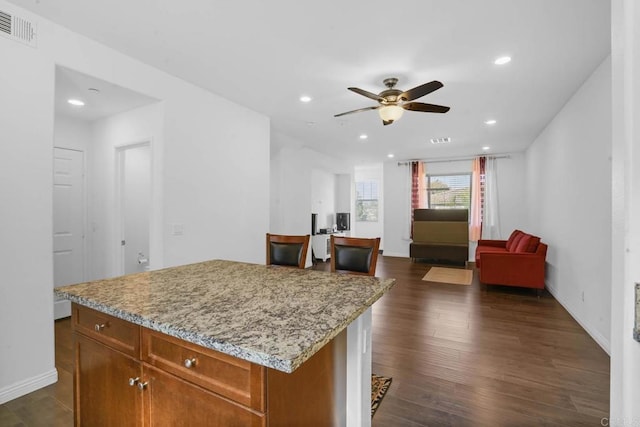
(459, 356)
(482, 356)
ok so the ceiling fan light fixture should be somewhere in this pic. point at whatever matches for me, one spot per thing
(390, 112)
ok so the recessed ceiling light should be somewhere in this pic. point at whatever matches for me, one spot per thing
(305, 98)
(490, 122)
(486, 147)
(75, 102)
(391, 156)
(502, 60)
(364, 136)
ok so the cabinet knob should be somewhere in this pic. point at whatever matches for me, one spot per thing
(143, 385)
(190, 363)
(133, 381)
(99, 327)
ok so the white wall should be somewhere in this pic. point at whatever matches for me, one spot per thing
(216, 179)
(71, 133)
(397, 184)
(323, 197)
(625, 352)
(292, 184)
(298, 181)
(210, 184)
(568, 191)
(26, 260)
(343, 191)
(511, 184)
(131, 127)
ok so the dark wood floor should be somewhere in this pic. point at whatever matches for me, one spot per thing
(458, 355)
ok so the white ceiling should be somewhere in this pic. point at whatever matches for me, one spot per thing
(101, 99)
(265, 54)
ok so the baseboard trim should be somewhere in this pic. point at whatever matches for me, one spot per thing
(396, 254)
(597, 336)
(27, 386)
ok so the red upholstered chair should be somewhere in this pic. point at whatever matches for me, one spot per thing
(287, 250)
(354, 255)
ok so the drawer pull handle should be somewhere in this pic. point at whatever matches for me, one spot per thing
(190, 363)
(143, 385)
(99, 327)
(134, 381)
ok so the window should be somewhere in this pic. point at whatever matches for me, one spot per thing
(449, 191)
(367, 201)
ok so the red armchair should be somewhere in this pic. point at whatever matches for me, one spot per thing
(519, 261)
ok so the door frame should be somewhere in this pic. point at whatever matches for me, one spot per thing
(60, 306)
(119, 151)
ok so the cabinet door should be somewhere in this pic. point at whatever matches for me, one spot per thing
(103, 396)
(170, 401)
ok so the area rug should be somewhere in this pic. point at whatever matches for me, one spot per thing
(455, 276)
(379, 387)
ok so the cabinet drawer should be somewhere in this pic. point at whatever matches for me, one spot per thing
(171, 401)
(116, 333)
(236, 379)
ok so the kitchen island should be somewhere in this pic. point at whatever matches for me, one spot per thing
(224, 343)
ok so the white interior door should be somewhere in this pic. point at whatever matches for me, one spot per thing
(135, 198)
(68, 222)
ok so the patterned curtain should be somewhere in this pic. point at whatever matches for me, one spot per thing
(418, 189)
(477, 198)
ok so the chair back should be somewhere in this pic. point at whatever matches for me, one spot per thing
(354, 255)
(285, 250)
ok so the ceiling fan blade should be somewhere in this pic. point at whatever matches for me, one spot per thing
(367, 94)
(425, 108)
(387, 122)
(358, 110)
(421, 90)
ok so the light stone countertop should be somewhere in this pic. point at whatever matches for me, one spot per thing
(274, 316)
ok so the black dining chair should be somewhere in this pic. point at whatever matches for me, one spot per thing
(354, 255)
(286, 250)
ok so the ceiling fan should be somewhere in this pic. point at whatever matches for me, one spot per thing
(393, 101)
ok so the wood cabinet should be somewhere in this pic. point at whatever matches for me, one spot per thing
(171, 401)
(103, 396)
(127, 375)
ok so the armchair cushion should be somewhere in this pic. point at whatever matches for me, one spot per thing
(527, 243)
(510, 241)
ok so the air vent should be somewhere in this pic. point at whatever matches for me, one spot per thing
(17, 28)
(444, 140)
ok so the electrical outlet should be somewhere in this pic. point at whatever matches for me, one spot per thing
(177, 229)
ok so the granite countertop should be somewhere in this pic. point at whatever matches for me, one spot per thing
(275, 316)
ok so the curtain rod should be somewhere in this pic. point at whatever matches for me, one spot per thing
(452, 159)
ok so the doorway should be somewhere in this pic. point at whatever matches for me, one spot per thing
(133, 163)
(68, 223)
